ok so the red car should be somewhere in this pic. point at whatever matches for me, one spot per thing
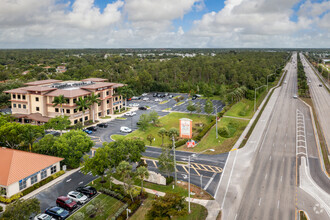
(66, 203)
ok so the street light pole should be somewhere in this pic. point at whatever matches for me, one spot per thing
(189, 185)
(255, 96)
(189, 158)
(216, 122)
(267, 80)
(175, 175)
(201, 183)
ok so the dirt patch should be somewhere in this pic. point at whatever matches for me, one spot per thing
(199, 193)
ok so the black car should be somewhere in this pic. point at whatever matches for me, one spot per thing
(162, 95)
(102, 125)
(142, 108)
(93, 128)
(155, 94)
(57, 212)
(87, 190)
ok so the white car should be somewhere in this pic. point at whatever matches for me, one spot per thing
(125, 129)
(144, 94)
(136, 104)
(130, 114)
(295, 96)
(145, 99)
(78, 197)
(43, 216)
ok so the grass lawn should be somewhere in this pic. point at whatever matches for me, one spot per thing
(111, 205)
(242, 109)
(198, 212)
(121, 118)
(106, 117)
(164, 102)
(179, 103)
(169, 121)
(220, 145)
(167, 109)
(212, 98)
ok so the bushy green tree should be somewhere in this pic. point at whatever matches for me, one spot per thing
(124, 169)
(21, 209)
(98, 164)
(154, 117)
(58, 123)
(143, 122)
(208, 107)
(162, 133)
(166, 162)
(141, 174)
(191, 107)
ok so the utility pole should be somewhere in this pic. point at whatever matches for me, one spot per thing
(216, 121)
(175, 176)
(189, 185)
(255, 96)
(201, 183)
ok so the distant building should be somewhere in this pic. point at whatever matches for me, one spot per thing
(61, 69)
(33, 104)
(21, 169)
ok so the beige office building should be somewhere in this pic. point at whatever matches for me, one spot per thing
(34, 103)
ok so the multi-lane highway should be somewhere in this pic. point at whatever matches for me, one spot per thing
(321, 100)
(261, 181)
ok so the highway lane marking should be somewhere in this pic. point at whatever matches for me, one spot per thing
(81, 183)
(195, 169)
(211, 168)
(68, 180)
(281, 178)
(278, 204)
(259, 201)
(198, 166)
(209, 182)
(285, 145)
(270, 157)
(266, 176)
(219, 169)
(155, 163)
(184, 167)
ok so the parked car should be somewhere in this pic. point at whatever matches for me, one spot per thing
(125, 129)
(155, 94)
(142, 108)
(93, 128)
(87, 190)
(295, 96)
(66, 203)
(57, 212)
(162, 95)
(129, 99)
(145, 99)
(136, 98)
(135, 104)
(78, 197)
(166, 94)
(170, 96)
(44, 216)
(102, 125)
(144, 94)
(87, 131)
(130, 114)
(320, 85)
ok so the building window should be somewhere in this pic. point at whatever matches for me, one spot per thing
(56, 109)
(43, 174)
(37, 99)
(53, 170)
(74, 100)
(108, 111)
(23, 96)
(99, 113)
(68, 111)
(107, 92)
(22, 184)
(116, 98)
(14, 105)
(108, 101)
(19, 96)
(3, 191)
(19, 105)
(75, 110)
(14, 96)
(24, 106)
(80, 119)
(37, 109)
(86, 118)
(75, 121)
(34, 179)
(67, 101)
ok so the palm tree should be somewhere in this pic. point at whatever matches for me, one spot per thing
(30, 135)
(126, 93)
(83, 104)
(142, 173)
(93, 99)
(162, 133)
(59, 100)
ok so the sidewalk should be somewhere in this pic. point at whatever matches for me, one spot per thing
(212, 206)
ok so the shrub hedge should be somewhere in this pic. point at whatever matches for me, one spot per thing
(11, 199)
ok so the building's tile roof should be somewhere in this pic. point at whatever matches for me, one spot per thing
(33, 116)
(118, 85)
(94, 80)
(18, 90)
(16, 165)
(69, 93)
(38, 88)
(42, 82)
(98, 85)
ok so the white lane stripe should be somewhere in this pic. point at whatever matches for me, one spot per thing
(81, 182)
(266, 176)
(68, 180)
(259, 201)
(209, 182)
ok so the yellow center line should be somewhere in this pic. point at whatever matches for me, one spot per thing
(220, 170)
(184, 167)
(195, 170)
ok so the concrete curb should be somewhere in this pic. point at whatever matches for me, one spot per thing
(317, 139)
(51, 183)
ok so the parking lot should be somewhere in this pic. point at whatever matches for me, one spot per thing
(103, 134)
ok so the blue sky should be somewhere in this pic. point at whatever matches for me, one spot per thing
(164, 23)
